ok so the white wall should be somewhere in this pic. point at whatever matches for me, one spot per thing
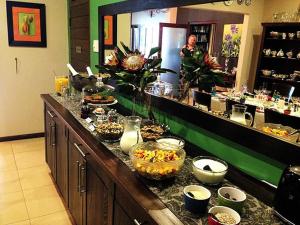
(21, 108)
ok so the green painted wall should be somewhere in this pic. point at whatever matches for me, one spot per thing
(94, 4)
(250, 162)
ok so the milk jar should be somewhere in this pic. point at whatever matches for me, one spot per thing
(132, 133)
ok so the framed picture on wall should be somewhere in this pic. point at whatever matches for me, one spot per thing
(26, 24)
(110, 31)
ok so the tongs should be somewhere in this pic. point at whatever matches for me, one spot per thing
(295, 132)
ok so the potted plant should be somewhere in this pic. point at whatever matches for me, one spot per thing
(132, 71)
(199, 69)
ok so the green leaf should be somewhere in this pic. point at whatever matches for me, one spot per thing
(126, 49)
(153, 51)
(154, 63)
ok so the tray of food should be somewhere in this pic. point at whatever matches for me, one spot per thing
(278, 130)
(102, 98)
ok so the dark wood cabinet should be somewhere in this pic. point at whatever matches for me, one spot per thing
(77, 181)
(50, 128)
(275, 38)
(62, 158)
(57, 150)
(87, 187)
(99, 198)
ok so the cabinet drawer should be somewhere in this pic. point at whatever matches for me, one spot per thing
(134, 211)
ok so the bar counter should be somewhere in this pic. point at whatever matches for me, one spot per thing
(170, 192)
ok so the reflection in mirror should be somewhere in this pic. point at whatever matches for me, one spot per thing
(231, 35)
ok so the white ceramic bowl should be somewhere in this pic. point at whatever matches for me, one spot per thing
(215, 175)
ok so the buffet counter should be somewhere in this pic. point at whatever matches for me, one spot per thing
(161, 200)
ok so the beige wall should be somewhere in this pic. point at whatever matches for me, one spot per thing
(21, 108)
(252, 26)
(272, 6)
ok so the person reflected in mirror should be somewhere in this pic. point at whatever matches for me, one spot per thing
(190, 46)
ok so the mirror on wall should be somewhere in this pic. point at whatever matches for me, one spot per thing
(229, 34)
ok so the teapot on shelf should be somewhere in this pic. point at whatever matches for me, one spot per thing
(280, 53)
(274, 53)
(289, 54)
(267, 52)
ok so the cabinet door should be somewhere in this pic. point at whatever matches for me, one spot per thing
(99, 199)
(77, 186)
(50, 129)
(62, 158)
(120, 217)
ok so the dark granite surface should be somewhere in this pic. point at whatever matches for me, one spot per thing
(170, 192)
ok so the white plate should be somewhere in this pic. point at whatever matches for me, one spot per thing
(99, 104)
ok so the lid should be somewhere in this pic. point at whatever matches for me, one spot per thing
(295, 169)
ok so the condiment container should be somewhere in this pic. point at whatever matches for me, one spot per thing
(209, 170)
(232, 198)
(196, 198)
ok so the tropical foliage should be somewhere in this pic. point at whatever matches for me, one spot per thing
(131, 69)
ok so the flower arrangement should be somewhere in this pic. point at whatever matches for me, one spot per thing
(201, 69)
(231, 41)
(132, 70)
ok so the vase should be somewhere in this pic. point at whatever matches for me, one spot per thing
(226, 64)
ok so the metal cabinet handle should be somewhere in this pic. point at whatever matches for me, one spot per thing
(53, 136)
(82, 179)
(79, 149)
(50, 114)
(78, 176)
(136, 222)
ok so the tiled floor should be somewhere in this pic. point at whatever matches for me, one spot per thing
(27, 193)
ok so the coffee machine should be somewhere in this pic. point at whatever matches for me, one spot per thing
(287, 198)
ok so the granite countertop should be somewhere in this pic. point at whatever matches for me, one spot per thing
(170, 192)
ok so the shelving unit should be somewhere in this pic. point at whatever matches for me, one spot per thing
(281, 65)
(203, 33)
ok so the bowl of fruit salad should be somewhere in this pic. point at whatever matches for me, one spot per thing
(157, 161)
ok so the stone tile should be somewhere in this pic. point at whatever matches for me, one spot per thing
(58, 218)
(42, 201)
(35, 177)
(5, 148)
(26, 145)
(7, 162)
(12, 208)
(30, 159)
(9, 182)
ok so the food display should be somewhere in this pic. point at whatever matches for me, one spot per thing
(99, 98)
(151, 131)
(221, 215)
(157, 161)
(278, 130)
(225, 218)
(110, 131)
(209, 170)
(275, 131)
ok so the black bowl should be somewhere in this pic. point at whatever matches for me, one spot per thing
(79, 82)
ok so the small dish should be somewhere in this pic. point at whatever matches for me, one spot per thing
(196, 198)
(232, 198)
(171, 140)
(217, 212)
(209, 170)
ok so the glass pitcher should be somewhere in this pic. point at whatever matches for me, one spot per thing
(132, 134)
(239, 114)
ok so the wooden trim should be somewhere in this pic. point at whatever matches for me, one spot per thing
(22, 136)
